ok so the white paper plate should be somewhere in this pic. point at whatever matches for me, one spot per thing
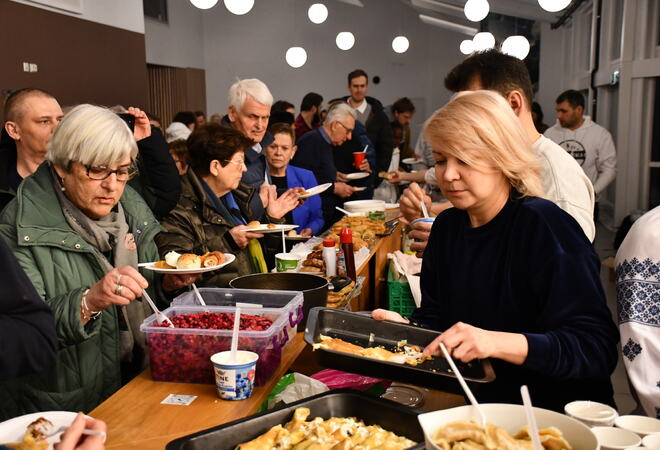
(359, 188)
(411, 161)
(357, 175)
(316, 190)
(12, 430)
(277, 228)
(229, 258)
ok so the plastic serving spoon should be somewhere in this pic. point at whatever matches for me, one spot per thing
(531, 420)
(160, 317)
(464, 385)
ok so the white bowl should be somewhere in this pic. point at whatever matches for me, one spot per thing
(592, 414)
(512, 418)
(612, 438)
(652, 441)
(364, 205)
(641, 425)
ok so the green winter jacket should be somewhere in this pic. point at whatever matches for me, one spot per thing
(61, 266)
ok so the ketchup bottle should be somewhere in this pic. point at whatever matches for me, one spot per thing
(346, 244)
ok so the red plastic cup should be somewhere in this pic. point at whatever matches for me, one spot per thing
(358, 158)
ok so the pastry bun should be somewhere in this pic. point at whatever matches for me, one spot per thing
(211, 259)
(254, 224)
(189, 261)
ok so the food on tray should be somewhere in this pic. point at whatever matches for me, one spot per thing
(292, 233)
(336, 433)
(337, 299)
(358, 243)
(35, 436)
(254, 224)
(359, 225)
(314, 262)
(219, 321)
(188, 261)
(469, 435)
(386, 175)
(405, 354)
(211, 259)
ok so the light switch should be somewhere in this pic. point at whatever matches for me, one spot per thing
(34, 67)
(26, 67)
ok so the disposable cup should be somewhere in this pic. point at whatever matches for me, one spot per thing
(234, 379)
(286, 262)
(611, 438)
(358, 157)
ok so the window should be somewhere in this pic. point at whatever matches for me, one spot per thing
(156, 9)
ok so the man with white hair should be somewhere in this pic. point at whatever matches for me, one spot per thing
(315, 153)
(248, 112)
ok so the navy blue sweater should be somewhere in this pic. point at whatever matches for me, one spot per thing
(530, 270)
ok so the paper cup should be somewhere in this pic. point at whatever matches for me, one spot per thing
(234, 380)
(611, 438)
(286, 262)
(358, 157)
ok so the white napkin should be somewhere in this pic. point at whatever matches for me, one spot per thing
(408, 265)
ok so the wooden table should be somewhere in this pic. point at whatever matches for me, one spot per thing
(137, 420)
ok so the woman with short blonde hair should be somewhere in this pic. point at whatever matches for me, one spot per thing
(507, 275)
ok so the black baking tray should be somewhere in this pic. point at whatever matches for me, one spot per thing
(392, 416)
(356, 328)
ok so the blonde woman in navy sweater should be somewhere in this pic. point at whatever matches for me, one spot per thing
(507, 275)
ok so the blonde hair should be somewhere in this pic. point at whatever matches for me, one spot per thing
(483, 123)
(92, 136)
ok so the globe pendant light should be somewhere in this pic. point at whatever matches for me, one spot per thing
(476, 10)
(239, 7)
(345, 40)
(296, 57)
(517, 46)
(203, 4)
(554, 5)
(483, 41)
(317, 13)
(400, 44)
(467, 46)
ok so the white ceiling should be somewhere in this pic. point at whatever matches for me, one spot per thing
(453, 9)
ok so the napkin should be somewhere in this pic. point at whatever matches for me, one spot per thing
(409, 266)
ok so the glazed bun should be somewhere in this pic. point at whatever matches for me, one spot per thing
(211, 259)
(189, 261)
(254, 224)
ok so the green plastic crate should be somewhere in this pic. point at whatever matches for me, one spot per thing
(399, 297)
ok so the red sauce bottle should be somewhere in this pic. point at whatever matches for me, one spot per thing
(346, 244)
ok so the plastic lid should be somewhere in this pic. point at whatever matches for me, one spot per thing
(328, 242)
(346, 236)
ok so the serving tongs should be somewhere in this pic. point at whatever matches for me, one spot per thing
(160, 317)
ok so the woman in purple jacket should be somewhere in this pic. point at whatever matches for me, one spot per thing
(284, 176)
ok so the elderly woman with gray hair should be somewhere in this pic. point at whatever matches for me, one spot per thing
(78, 232)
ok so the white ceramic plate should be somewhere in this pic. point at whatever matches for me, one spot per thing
(357, 175)
(277, 228)
(316, 190)
(359, 188)
(12, 430)
(229, 258)
(411, 161)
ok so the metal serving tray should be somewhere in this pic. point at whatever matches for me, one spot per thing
(356, 328)
(392, 416)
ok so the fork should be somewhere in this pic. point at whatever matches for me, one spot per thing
(86, 431)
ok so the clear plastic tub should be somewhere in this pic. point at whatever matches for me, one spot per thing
(289, 301)
(183, 354)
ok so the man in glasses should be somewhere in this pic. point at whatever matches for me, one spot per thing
(315, 153)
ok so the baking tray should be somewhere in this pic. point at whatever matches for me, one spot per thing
(392, 416)
(356, 328)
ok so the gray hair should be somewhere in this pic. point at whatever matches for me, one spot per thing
(242, 89)
(338, 111)
(91, 135)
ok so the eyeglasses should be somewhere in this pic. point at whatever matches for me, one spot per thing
(348, 130)
(240, 163)
(99, 173)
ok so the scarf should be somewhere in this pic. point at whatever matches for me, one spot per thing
(109, 236)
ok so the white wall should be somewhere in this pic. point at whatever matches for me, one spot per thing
(254, 46)
(178, 43)
(551, 80)
(124, 14)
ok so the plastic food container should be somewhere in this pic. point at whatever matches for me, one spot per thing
(290, 301)
(392, 416)
(183, 355)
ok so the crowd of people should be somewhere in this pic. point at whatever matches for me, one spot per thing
(509, 271)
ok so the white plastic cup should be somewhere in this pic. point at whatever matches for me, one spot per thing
(234, 379)
(592, 414)
(641, 425)
(652, 441)
(286, 262)
(611, 438)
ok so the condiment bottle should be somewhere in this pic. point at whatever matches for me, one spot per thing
(346, 244)
(330, 257)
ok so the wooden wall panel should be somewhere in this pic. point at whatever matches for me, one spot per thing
(174, 89)
(79, 61)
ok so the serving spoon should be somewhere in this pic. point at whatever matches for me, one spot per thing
(160, 317)
(464, 385)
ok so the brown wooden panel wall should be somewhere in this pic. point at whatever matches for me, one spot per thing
(79, 61)
(174, 89)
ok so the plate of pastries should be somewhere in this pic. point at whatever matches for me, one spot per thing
(259, 227)
(190, 263)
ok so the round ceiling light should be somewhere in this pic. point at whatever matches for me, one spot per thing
(296, 57)
(203, 4)
(517, 46)
(400, 44)
(483, 41)
(239, 7)
(467, 46)
(476, 10)
(345, 40)
(554, 5)
(317, 13)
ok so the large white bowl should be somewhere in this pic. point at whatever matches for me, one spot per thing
(652, 441)
(512, 418)
(592, 414)
(641, 425)
(364, 205)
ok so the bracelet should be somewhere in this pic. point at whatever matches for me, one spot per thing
(87, 313)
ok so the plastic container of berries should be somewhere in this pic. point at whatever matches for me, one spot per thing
(182, 354)
(289, 301)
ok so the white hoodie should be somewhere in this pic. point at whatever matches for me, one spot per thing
(592, 147)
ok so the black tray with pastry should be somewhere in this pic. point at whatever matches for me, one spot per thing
(377, 339)
(338, 403)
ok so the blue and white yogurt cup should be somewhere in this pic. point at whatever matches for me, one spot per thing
(234, 379)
